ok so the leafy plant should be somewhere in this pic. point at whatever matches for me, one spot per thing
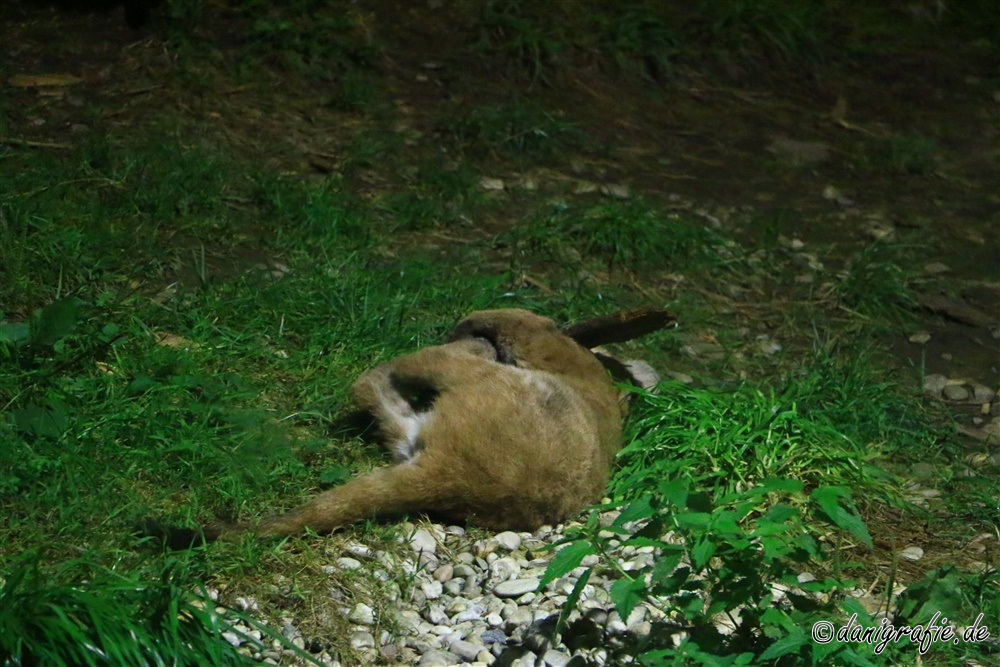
(735, 494)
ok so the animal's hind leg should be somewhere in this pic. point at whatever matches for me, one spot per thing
(393, 490)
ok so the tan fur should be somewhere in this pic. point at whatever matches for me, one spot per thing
(511, 425)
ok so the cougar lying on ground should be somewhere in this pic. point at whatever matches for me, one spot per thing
(510, 425)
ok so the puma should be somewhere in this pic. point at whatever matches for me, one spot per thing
(509, 426)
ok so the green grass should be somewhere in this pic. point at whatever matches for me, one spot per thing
(529, 36)
(516, 129)
(629, 234)
(82, 614)
(875, 284)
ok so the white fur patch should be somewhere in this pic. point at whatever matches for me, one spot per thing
(406, 449)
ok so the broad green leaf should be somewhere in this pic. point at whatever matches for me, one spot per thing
(626, 594)
(693, 520)
(55, 321)
(565, 561)
(637, 510)
(666, 564)
(784, 646)
(772, 484)
(572, 599)
(14, 333)
(702, 551)
(334, 475)
(675, 492)
(829, 499)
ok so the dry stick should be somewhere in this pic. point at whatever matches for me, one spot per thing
(13, 141)
(958, 311)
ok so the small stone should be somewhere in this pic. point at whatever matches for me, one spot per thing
(934, 384)
(503, 569)
(521, 617)
(232, 638)
(346, 563)
(473, 613)
(956, 392)
(493, 637)
(911, 553)
(432, 589)
(615, 624)
(466, 650)
(615, 190)
(438, 658)
(799, 152)
(982, 394)
(362, 614)
(936, 267)
(683, 378)
(509, 540)
(362, 639)
(465, 571)
(488, 183)
(515, 587)
(919, 337)
(359, 550)
(444, 573)
(435, 614)
(641, 629)
(423, 541)
(768, 346)
(248, 603)
(554, 658)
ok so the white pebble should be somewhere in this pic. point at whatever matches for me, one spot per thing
(362, 639)
(423, 541)
(346, 563)
(362, 614)
(509, 540)
(431, 589)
